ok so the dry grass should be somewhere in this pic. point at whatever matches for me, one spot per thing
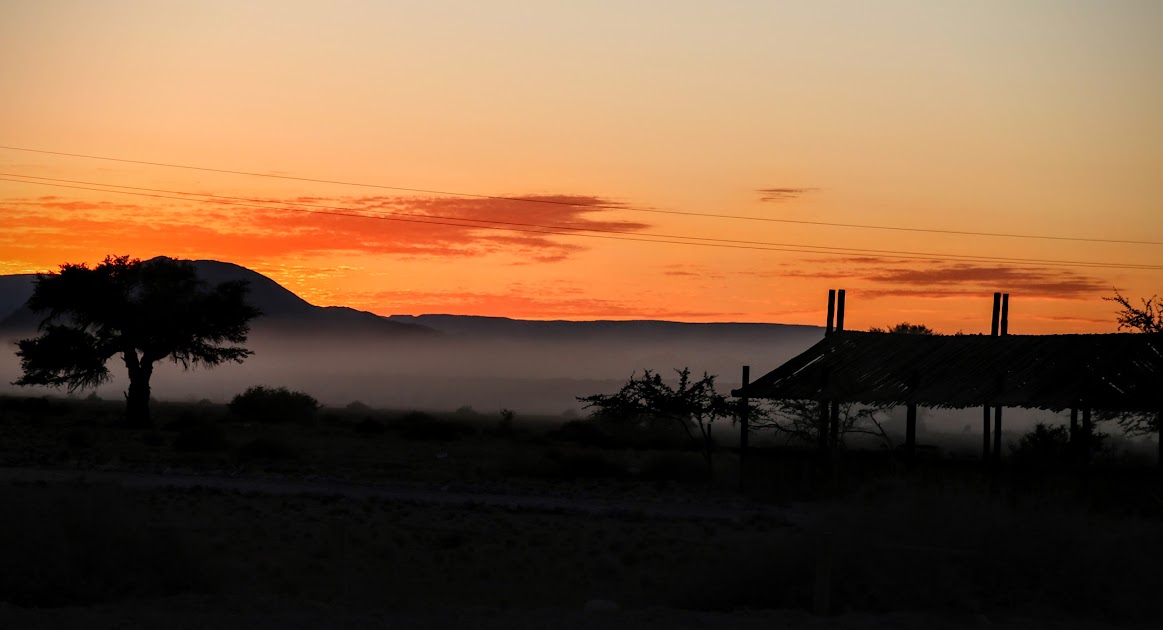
(934, 541)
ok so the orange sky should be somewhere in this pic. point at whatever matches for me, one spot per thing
(1038, 118)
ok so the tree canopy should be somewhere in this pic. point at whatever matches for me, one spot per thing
(143, 312)
(649, 403)
(904, 328)
(1148, 318)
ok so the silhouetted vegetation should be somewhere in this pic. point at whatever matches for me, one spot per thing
(274, 405)
(649, 405)
(143, 312)
(1147, 318)
(904, 328)
(932, 540)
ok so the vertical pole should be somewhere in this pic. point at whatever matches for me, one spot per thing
(1005, 314)
(1159, 434)
(744, 424)
(996, 314)
(840, 311)
(831, 310)
(1087, 432)
(994, 328)
(822, 438)
(1073, 450)
(997, 434)
(985, 433)
(995, 476)
(911, 434)
(834, 429)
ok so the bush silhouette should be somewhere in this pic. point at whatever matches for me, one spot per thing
(274, 405)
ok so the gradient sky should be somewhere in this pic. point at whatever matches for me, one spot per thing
(1034, 117)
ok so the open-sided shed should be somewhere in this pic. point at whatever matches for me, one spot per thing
(1111, 372)
(1119, 372)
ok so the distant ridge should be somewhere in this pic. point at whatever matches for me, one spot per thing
(641, 329)
(283, 311)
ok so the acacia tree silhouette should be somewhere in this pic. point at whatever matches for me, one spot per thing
(142, 311)
(904, 328)
(1148, 319)
(1145, 319)
(647, 402)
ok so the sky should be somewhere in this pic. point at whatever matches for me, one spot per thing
(690, 161)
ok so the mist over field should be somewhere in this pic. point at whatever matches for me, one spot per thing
(446, 362)
(527, 375)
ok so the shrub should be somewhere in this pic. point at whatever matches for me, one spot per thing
(505, 424)
(274, 404)
(1049, 446)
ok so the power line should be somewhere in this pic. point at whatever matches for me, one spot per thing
(592, 206)
(556, 229)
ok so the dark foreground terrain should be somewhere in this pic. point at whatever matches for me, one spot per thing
(362, 518)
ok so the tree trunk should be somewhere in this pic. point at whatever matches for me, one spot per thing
(137, 398)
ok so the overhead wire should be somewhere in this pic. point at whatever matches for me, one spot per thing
(596, 206)
(589, 232)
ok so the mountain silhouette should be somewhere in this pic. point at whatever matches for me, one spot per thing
(282, 310)
(340, 354)
(641, 331)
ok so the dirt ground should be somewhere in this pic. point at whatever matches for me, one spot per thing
(346, 524)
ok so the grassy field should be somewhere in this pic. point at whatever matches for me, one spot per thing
(932, 541)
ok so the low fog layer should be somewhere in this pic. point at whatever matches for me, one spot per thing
(528, 375)
(531, 376)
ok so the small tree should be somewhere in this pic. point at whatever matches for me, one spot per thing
(1145, 319)
(798, 421)
(143, 312)
(904, 328)
(1148, 319)
(648, 402)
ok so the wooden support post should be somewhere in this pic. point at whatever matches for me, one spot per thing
(985, 435)
(1159, 434)
(911, 434)
(822, 438)
(831, 310)
(997, 435)
(1005, 314)
(834, 426)
(1087, 431)
(1073, 451)
(840, 311)
(995, 472)
(996, 315)
(822, 429)
(994, 329)
(744, 425)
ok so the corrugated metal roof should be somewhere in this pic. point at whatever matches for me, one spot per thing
(1115, 372)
